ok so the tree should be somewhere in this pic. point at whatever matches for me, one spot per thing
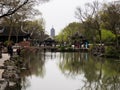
(9, 7)
(35, 29)
(69, 31)
(14, 21)
(90, 18)
(107, 36)
(111, 19)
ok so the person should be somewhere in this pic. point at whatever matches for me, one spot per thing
(18, 51)
(10, 50)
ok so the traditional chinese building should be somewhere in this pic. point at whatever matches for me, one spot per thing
(15, 36)
(49, 41)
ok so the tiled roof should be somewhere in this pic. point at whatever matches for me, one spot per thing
(5, 32)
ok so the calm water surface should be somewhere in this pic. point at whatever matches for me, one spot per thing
(70, 71)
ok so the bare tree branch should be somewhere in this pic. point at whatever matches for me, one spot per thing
(9, 7)
(13, 10)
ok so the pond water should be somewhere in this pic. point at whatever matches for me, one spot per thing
(70, 71)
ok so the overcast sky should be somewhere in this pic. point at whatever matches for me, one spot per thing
(59, 13)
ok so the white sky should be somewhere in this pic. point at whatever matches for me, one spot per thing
(59, 13)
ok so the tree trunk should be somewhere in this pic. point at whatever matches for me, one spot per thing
(17, 33)
(117, 41)
(9, 37)
(100, 35)
(0, 51)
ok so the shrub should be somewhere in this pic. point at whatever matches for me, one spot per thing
(69, 49)
(111, 51)
(107, 36)
(6, 43)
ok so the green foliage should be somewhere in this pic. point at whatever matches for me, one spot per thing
(100, 16)
(111, 19)
(107, 36)
(112, 51)
(36, 28)
(6, 43)
(59, 37)
(90, 29)
(69, 30)
(62, 48)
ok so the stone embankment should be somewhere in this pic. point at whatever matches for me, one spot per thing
(10, 71)
(3, 82)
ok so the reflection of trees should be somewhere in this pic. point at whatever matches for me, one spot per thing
(100, 74)
(93, 74)
(72, 63)
(111, 75)
(35, 63)
(25, 82)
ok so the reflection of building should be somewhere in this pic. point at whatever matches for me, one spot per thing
(52, 32)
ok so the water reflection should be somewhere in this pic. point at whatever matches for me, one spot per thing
(99, 73)
(36, 67)
(70, 71)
